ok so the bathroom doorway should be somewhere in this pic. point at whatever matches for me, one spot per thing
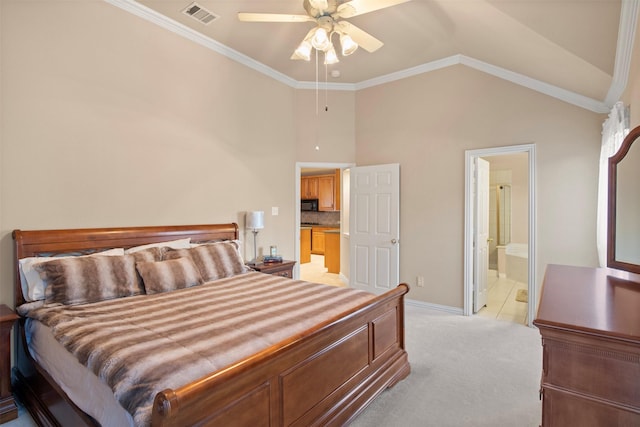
(510, 273)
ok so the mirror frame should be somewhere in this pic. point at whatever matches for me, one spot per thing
(633, 135)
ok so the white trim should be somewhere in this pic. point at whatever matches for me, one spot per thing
(624, 50)
(431, 306)
(536, 85)
(410, 72)
(626, 35)
(468, 237)
(167, 23)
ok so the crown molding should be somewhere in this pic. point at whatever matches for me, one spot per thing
(154, 17)
(624, 50)
(626, 35)
(537, 85)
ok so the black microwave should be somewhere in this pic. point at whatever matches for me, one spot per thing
(309, 205)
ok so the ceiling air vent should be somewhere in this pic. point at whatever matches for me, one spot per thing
(199, 13)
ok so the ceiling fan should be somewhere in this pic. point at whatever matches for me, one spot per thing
(328, 16)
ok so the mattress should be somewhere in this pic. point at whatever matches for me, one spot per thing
(116, 349)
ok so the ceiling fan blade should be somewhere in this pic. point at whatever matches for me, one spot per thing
(359, 7)
(272, 17)
(364, 39)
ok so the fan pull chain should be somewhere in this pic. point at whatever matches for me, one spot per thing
(326, 88)
(316, 81)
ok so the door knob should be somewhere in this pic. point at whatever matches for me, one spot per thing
(394, 241)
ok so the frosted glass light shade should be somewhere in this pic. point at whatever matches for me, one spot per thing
(319, 4)
(320, 39)
(303, 51)
(347, 44)
(330, 56)
(254, 220)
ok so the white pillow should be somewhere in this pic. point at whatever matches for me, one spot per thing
(32, 285)
(174, 244)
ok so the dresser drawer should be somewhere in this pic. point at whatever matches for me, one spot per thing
(595, 368)
(561, 408)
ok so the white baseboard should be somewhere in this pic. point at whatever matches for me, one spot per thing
(344, 279)
(445, 308)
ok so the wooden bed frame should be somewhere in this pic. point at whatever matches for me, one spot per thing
(325, 377)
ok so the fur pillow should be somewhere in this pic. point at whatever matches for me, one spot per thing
(81, 280)
(213, 260)
(164, 276)
(89, 279)
(32, 285)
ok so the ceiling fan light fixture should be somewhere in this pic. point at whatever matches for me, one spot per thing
(320, 39)
(319, 4)
(303, 51)
(330, 56)
(347, 44)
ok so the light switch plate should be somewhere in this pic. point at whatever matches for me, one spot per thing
(274, 211)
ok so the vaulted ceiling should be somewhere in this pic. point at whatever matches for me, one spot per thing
(565, 48)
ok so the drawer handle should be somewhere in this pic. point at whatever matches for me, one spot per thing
(284, 274)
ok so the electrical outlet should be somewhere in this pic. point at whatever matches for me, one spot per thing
(420, 281)
(274, 211)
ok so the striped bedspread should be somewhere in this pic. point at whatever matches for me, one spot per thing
(144, 344)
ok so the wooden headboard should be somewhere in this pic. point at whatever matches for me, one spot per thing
(86, 240)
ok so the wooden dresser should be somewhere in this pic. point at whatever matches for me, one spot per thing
(589, 320)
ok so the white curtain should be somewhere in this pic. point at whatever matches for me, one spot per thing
(614, 129)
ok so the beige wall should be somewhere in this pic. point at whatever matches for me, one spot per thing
(426, 123)
(112, 121)
(332, 130)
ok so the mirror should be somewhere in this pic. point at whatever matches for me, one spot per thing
(623, 228)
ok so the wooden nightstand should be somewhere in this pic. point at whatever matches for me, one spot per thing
(8, 408)
(284, 268)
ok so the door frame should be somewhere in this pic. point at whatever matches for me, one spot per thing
(298, 172)
(530, 149)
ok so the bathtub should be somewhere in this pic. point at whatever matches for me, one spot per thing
(517, 262)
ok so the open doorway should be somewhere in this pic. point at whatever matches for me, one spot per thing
(319, 248)
(508, 273)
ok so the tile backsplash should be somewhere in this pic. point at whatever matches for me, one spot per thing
(320, 218)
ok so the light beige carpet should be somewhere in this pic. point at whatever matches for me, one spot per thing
(465, 372)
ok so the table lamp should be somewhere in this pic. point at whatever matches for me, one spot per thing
(254, 221)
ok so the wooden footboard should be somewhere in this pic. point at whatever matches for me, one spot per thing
(325, 378)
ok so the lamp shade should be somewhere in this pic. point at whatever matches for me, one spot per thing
(254, 220)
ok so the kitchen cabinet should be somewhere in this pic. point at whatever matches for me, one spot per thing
(305, 245)
(325, 188)
(326, 193)
(309, 187)
(332, 251)
(318, 239)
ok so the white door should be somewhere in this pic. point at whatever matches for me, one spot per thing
(481, 234)
(374, 227)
